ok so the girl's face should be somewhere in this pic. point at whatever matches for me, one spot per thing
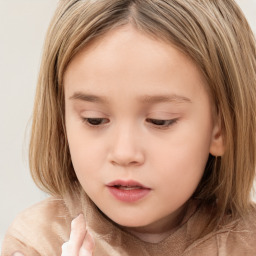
(140, 127)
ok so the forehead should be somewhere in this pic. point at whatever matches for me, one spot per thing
(126, 59)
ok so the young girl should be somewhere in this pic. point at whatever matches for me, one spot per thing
(143, 132)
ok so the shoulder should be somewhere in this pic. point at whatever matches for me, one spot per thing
(40, 216)
(241, 236)
(41, 228)
(235, 238)
(50, 209)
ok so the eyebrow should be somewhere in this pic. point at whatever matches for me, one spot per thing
(173, 98)
(88, 97)
(146, 99)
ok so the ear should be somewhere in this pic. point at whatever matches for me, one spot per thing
(217, 147)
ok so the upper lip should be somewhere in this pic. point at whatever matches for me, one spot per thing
(126, 183)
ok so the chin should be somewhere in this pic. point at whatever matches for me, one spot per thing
(130, 221)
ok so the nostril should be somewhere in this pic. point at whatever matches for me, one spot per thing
(126, 154)
(124, 163)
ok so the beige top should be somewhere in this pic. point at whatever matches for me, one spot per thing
(43, 228)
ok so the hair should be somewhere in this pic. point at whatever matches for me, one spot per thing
(213, 33)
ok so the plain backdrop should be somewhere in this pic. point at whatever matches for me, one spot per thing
(23, 24)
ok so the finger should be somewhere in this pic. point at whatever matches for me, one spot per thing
(64, 249)
(77, 235)
(87, 246)
(78, 230)
(17, 254)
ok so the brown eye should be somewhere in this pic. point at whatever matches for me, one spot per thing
(160, 122)
(95, 121)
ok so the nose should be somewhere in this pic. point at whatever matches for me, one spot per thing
(126, 148)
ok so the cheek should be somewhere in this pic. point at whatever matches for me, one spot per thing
(182, 160)
(186, 149)
(83, 154)
(86, 163)
(82, 149)
(181, 168)
(179, 177)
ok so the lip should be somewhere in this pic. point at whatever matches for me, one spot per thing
(130, 183)
(132, 191)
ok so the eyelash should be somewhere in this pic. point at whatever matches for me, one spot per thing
(161, 123)
(95, 122)
(158, 123)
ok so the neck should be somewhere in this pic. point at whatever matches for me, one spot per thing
(159, 230)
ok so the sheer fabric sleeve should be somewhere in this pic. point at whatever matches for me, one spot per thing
(39, 230)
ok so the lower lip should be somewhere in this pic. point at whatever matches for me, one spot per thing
(132, 195)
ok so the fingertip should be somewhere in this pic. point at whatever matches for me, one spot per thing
(78, 229)
(64, 247)
(17, 254)
(78, 219)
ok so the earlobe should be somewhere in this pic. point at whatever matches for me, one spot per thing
(217, 147)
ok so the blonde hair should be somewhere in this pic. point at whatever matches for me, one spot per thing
(214, 33)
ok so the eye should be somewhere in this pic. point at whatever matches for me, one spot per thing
(161, 123)
(95, 121)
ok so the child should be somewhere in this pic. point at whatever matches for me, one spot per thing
(144, 127)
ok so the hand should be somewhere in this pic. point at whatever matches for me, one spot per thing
(80, 242)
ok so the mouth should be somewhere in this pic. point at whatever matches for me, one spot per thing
(127, 187)
(128, 191)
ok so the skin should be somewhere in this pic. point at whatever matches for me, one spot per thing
(17, 254)
(130, 75)
(80, 242)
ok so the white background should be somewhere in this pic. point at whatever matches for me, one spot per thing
(23, 24)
